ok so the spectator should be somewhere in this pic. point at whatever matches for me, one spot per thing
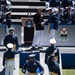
(66, 3)
(60, 15)
(1, 15)
(69, 15)
(8, 6)
(53, 3)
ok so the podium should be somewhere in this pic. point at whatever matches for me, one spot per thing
(28, 26)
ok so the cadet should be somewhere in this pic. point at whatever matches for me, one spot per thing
(52, 23)
(8, 19)
(32, 65)
(52, 50)
(53, 66)
(9, 59)
(11, 38)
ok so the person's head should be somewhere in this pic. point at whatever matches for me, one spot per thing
(9, 46)
(31, 57)
(52, 42)
(11, 31)
(49, 10)
(39, 10)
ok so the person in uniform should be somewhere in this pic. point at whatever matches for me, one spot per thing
(9, 59)
(11, 38)
(1, 14)
(53, 66)
(52, 50)
(8, 19)
(38, 21)
(32, 65)
(8, 5)
(52, 23)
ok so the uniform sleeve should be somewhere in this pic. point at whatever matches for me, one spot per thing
(16, 41)
(5, 41)
(57, 54)
(40, 67)
(59, 73)
(46, 56)
(48, 19)
(4, 59)
(36, 19)
(24, 68)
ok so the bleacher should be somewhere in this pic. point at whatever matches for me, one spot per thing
(24, 8)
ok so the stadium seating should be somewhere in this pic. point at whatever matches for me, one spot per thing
(22, 9)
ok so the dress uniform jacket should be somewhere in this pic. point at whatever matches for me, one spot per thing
(11, 39)
(8, 22)
(53, 66)
(9, 55)
(32, 66)
(37, 20)
(1, 15)
(53, 19)
(49, 51)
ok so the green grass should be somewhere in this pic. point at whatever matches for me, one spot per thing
(68, 72)
(64, 71)
(20, 73)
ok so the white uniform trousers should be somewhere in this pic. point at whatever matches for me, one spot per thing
(37, 40)
(9, 67)
(52, 33)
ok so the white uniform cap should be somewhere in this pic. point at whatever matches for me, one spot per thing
(9, 12)
(11, 29)
(31, 55)
(55, 10)
(49, 8)
(10, 45)
(8, 2)
(52, 41)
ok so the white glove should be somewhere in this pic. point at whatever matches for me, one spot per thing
(23, 71)
(42, 72)
(55, 51)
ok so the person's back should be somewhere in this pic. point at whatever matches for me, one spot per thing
(50, 51)
(9, 54)
(53, 66)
